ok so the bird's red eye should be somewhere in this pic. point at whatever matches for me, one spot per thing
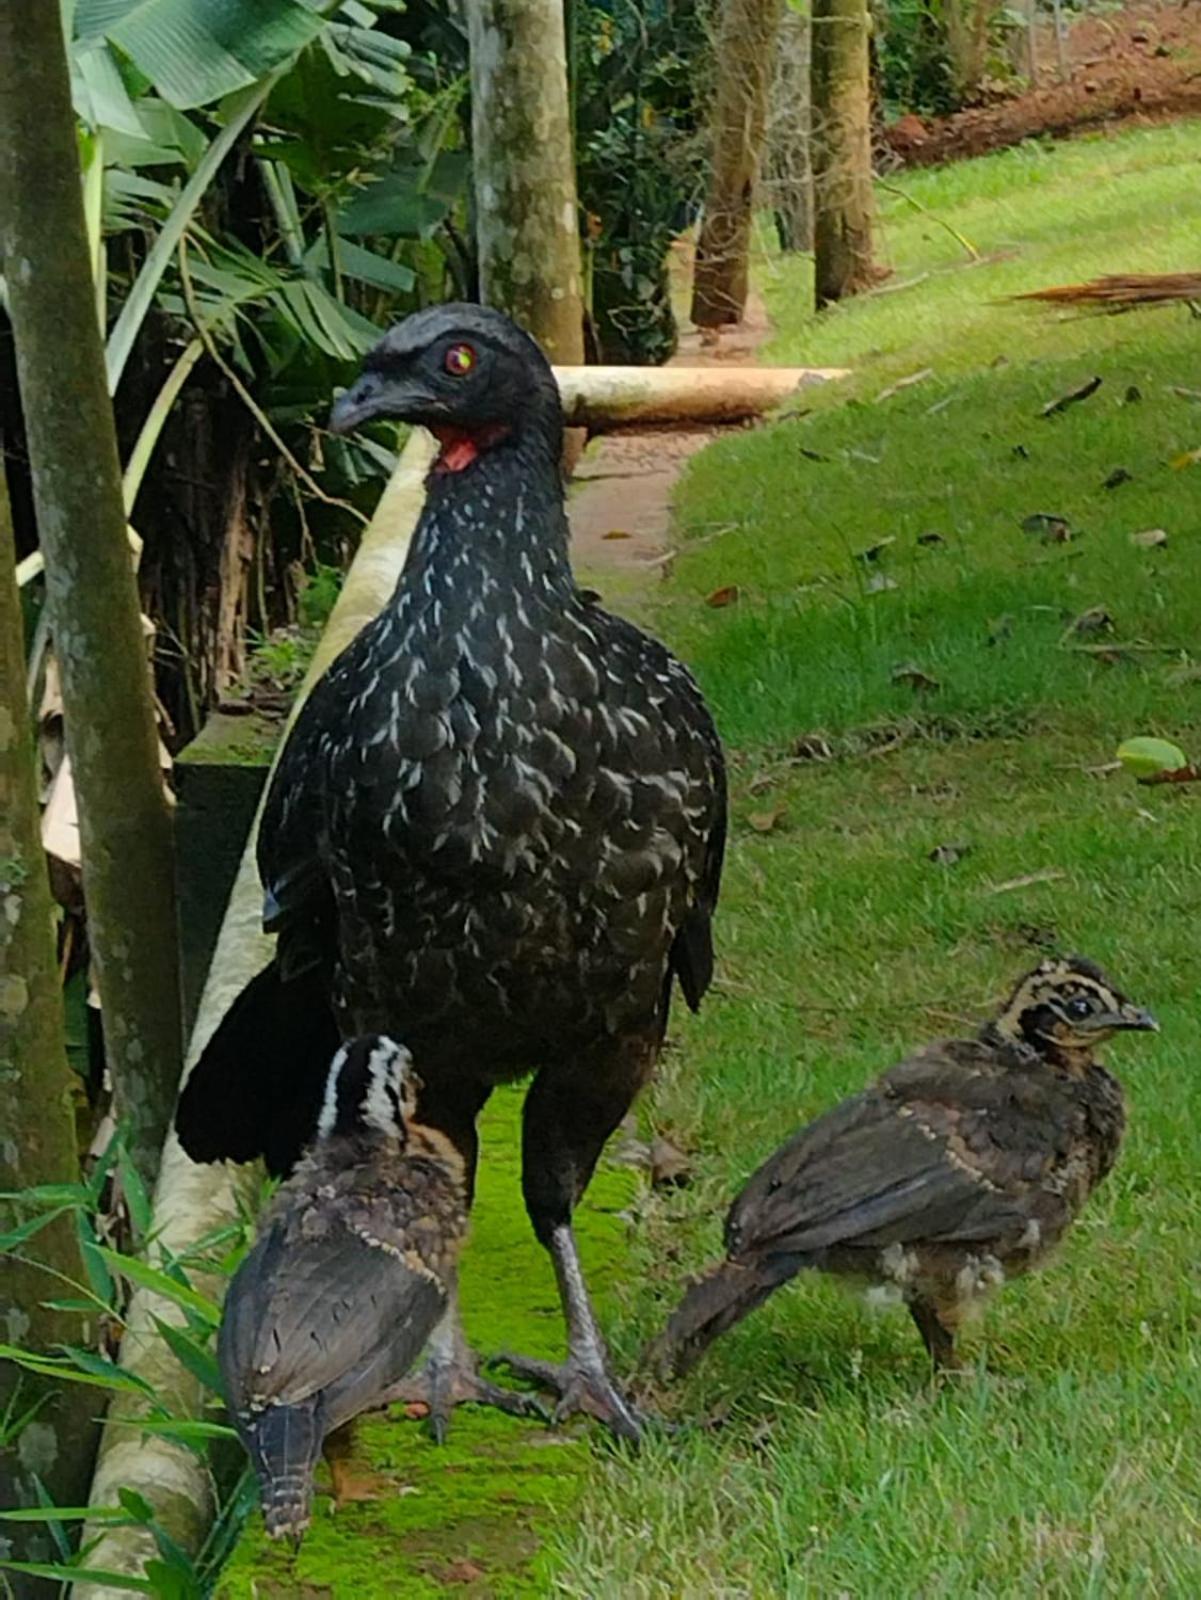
(459, 360)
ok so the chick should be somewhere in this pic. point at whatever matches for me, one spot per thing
(349, 1277)
(959, 1168)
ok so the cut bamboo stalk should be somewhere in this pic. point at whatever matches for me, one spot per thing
(189, 1200)
(602, 398)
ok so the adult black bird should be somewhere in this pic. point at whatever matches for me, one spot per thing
(351, 1273)
(496, 830)
(957, 1169)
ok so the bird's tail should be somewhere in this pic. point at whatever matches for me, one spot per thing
(714, 1303)
(256, 1088)
(285, 1443)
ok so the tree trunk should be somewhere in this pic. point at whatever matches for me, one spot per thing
(788, 184)
(523, 165)
(37, 1142)
(91, 592)
(842, 152)
(745, 51)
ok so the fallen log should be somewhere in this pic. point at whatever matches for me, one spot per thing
(604, 398)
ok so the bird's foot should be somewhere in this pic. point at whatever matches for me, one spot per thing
(453, 1379)
(583, 1388)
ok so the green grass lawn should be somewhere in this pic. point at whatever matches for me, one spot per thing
(1067, 1463)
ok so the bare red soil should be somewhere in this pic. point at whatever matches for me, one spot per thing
(1142, 64)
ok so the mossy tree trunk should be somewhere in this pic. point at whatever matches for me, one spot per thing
(527, 227)
(745, 54)
(94, 612)
(37, 1123)
(842, 150)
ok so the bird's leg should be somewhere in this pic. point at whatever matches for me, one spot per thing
(568, 1117)
(582, 1382)
(938, 1334)
(351, 1483)
(451, 1377)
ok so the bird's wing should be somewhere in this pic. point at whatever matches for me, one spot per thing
(320, 1314)
(942, 1149)
(297, 898)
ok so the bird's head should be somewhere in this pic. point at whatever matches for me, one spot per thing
(371, 1090)
(466, 372)
(1065, 1007)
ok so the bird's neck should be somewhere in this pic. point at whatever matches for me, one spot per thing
(493, 521)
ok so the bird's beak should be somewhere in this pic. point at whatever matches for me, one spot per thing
(1131, 1019)
(373, 395)
(1138, 1020)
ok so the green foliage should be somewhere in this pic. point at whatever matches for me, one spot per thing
(639, 73)
(112, 1189)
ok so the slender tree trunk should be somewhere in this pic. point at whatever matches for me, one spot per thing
(745, 53)
(94, 612)
(842, 151)
(37, 1123)
(527, 225)
(788, 186)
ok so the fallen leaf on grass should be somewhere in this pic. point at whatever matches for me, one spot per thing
(907, 383)
(909, 672)
(812, 455)
(1118, 476)
(670, 1167)
(765, 821)
(1182, 393)
(948, 855)
(1021, 452)
(1189, 673)
(880, 583)
(1133, 395)
(1146, 758)
(1150, 538)
(930, 538)
(1071, 398)
(461, 1571)
(617, 533)
(1049, 525)
(812, 747)
(1095, 620)
(875, 551)
(725, 596)
(1190, 458)
(1047, 875)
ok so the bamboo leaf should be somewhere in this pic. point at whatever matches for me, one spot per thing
(26, 1230)
(162, 1283)
(72, 1574)
(192, 1355)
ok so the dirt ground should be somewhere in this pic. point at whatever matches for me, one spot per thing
(1142, 64)
(620, 502)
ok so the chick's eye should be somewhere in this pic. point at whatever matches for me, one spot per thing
(459, 360)
(1079, 1007)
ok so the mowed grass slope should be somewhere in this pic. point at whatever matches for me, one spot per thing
(1068, 1462)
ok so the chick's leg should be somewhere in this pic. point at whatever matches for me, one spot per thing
(451, 1375)
(568, 1117)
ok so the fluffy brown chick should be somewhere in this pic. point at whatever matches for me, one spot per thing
(957, 1169)
(349, 1277)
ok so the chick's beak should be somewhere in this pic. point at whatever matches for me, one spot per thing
(1140, 1021)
